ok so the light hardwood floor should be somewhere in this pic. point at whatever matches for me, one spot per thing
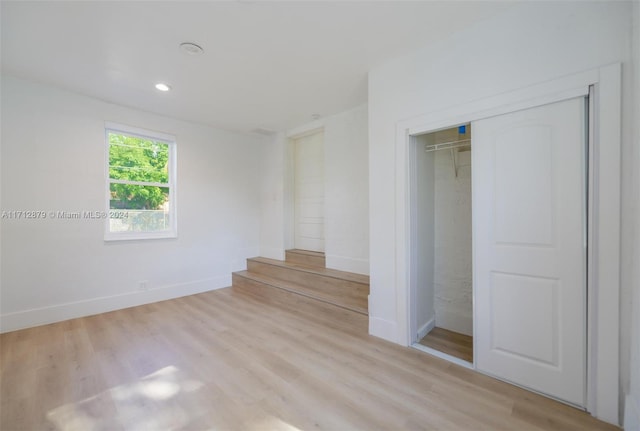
(248, 359)
(449, 342)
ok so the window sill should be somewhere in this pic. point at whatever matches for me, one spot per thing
(133, 236)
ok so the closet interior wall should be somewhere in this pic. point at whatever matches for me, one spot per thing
(444, 294)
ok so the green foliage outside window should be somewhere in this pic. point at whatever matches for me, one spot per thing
(141, 160)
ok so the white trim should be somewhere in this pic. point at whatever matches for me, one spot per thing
(289, 178)
(426, 328)
(137, 236)
(385, 329)
(631, 414)
(606, 246)
(413, 253)
(349, 264)
(603, 336)
(170, 140)
(564, 88)
(405, 247)
(139, 132)
(442, 355)
(288, 195)
(72, 310)
(592, 350)
(139, 183)
(290, 220)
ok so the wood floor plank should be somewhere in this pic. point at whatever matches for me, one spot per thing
(449, 342)
(250, 359)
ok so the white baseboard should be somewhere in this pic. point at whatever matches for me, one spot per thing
(385, 329)
(426, 328)
(272, 253)
(631, 414)
(71, 310)
(349, 264)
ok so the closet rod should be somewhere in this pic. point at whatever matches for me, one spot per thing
(447, 145)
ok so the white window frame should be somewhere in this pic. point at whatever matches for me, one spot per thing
(172, 232)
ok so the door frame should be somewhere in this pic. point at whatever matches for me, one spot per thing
(603, 261)
(314, 127)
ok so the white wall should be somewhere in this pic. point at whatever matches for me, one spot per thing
(531, 43)
(346, 191)
(273, 198)
(346, 149)
(53, 158)
(632, 391)
(424, 201)
(443, 276)
(452, 276)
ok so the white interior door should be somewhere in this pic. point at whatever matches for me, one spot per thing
(309, 192)
(529, 206)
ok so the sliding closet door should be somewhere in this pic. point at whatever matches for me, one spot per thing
(529, 248)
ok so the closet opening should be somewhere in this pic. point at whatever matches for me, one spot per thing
(442, 290)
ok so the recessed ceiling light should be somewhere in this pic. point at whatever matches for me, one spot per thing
(191, 48)
(162, 86)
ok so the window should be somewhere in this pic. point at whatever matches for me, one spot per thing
(141, 193)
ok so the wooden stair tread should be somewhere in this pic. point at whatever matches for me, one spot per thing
(356, 303)
(304, 273)
(334, 273)
(305, 257)
(348, 291)
(306, 252)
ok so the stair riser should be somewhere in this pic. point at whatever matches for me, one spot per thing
(356, 305)
(305, 259)
(319, 282)
(244, 283)
(253, 287)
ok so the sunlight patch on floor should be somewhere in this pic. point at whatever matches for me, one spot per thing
(161, 400)
(272, 423)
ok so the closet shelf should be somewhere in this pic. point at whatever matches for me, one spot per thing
(449, 145)
(455, 147)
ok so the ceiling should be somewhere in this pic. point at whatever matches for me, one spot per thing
(266, 65)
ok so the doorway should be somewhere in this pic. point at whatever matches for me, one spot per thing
(603, 85)
(444, 307)
(530, 242)
(308, 160)
(528, 222)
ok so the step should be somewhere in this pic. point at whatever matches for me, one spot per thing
(324, 313)
(305, 273)
(340, 288)
(249, 279)
(305, 257)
